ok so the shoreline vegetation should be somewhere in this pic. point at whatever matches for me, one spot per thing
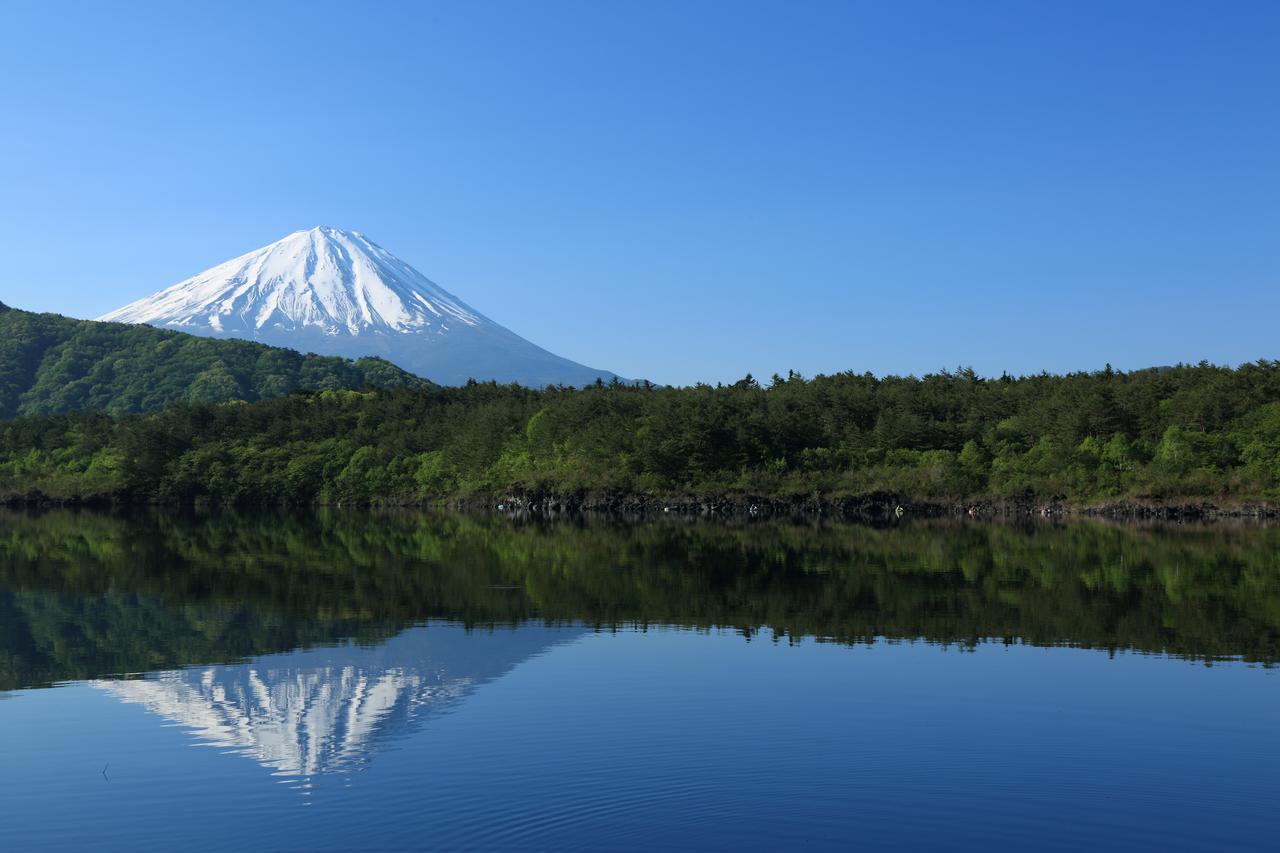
(1192, 441)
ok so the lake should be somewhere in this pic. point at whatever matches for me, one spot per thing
(333, 680)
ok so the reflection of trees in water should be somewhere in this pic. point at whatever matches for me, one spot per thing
(87, 593)
(326, 710)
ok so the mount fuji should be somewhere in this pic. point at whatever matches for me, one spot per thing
(337, 292)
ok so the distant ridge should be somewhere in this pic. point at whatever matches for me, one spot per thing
(337, 292)
(50, 364)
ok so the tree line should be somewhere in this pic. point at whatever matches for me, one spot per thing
(1180, 432)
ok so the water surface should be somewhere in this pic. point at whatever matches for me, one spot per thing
(333, 680)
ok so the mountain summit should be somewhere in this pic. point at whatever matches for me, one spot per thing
(337, 292)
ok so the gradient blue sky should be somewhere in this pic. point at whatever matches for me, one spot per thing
(681, 191)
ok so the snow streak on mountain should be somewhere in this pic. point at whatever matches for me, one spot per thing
(338, 293)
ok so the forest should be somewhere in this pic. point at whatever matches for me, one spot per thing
(50, 363)
(1185, 432)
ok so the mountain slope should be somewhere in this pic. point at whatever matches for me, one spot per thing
(339, 293)
(50, 363)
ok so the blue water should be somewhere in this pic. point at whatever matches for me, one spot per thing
(676, 739)
(351, 682)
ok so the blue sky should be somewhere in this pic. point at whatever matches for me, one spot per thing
(681, 191)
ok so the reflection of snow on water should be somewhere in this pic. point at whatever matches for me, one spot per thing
(297, 722)
(323, 711)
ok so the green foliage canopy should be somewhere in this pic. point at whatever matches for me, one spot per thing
(1193, 431)
(51, 364)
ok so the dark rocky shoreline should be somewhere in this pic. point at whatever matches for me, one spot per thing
(872, 508)
(875, 508)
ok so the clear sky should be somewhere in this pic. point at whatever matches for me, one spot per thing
(681, 191)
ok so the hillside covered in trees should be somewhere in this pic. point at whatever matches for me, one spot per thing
(1186, 432)
(50, 363)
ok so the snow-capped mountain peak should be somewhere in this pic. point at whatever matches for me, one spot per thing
(337, 292)
(332, 280)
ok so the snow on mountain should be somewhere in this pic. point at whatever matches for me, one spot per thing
(338, 293)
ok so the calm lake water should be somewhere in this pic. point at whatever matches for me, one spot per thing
(339, 680)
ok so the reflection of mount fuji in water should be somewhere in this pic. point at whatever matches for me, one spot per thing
(326, 710)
